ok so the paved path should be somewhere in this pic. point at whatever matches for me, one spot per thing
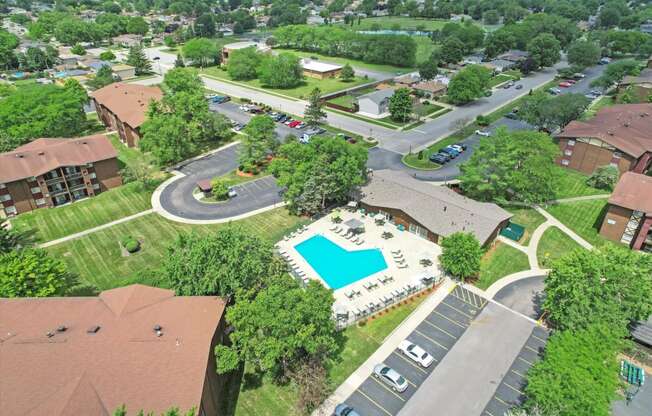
(578, 198)
(554, 221)
(523, 295)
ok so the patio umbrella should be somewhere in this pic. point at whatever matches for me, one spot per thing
(379, 217)
(354, 224)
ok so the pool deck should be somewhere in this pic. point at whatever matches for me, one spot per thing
(412, 247)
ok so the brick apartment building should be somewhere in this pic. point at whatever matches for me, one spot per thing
(52, 172)
(629, 213)
(620, 135)
(137, 345)
(123, 107)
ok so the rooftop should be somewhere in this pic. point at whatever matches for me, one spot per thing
(42, 155)
(633, 191)
(136, 345)
(243, 45)
(127, 101)
(644, 77)
(317, 66)
(378, 96)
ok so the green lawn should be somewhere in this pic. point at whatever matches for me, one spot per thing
(358, 343)
(425, 47)
(326, 86)
(128, 156)
(97, 257)
(528, 218)
(344, 101)
(391, 125)
(425, 110)
(234, 179)
(353, 62)
(50, 224)
(554, 244)
(604, 101)
(412, 160)
(500, 261)
(570, 183)
(583, 217)
(499, 79)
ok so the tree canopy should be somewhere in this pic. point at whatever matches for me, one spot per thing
(461, 255)
(200, 51)
(259, 138)
(400, 105)
(583, 53)
(32, 273)
(281, 71)
(469, 84)
(544, 49)
(546, 112)
(182, 80)
(138, 60)
(516, 166)
(314, 112)
(243, 63)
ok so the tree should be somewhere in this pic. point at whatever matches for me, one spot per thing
(544, 49)
(78, 50)
(205, 25)
(452, 51)
(491, 17)
(610, 285)
(400, 105)
(138, 60)
(551, 113)
(578, 374)
(137, 25)
(281, 71)
(461, 254)
(615, 72)
(220, 188)
(609, 17)
(318, 173)
(200, 51)
(178, 63)
(8, 42)
(182, 80)
(103, 78)
(516, 166)
(259, 137)
(311, 378)
(278, 326)
(468, 84)
(11, 239)
(604, 177)
(429, 68)
(347, 73)
(583, 53)
(32, 273)
(314, 112)
(243, 63)
(107, 56)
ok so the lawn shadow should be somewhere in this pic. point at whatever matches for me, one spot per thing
(600, 218)
(232, 384)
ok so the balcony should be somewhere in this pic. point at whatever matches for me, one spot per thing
(53, 180)
(57, 191)
(74, 175)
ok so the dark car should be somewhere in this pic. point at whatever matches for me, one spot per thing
(452, 152)
(438, 158)
(512, 115)
(344, 409)
(283, 118)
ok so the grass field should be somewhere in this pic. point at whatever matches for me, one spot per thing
(570, 183)
(358, 343)
(528, 218)
(604, 101)
(128, 156)
(499, 261)
(98, 260)
(554, 244)
(53, 223)
(425, 47)
(583, 217)
(390, 69)
(344, 101)
(499, 79)
(399, 23)
(412, 160)
(326, 86)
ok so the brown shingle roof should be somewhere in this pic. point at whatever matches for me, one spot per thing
(129, 102)
(627, 127)
(42, 155)
(633, 191)
(437, 208)
(124, 362)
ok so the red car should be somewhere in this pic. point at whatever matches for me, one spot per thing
(294, 123)
(572, 81)
(565, 84)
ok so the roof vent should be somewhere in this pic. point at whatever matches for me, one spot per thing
(445, 208)
(626, 124)
(62, 328)
(41, 153)
(19, 156)
(93, 329)
(158, 330)
(49, 334)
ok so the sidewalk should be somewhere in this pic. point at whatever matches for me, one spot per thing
(389, 344)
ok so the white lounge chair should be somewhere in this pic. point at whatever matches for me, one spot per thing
(359, 242)
(396, 252)
(333, 228)
(354, 240)
(402, 266)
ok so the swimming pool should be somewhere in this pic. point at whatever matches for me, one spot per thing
(339, 267)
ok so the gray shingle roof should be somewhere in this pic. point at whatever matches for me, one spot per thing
(438, 208)
(378, 96)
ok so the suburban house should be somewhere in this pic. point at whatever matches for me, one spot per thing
(629, 214)
(431, 212)
(229, 48)
(68, 61)
(375, 104)
(320, 70)
(619, 135)
(646, 27)
(499, 65)
(640, 84)
(407, 80)
(431, 89)
(127, 40)
(138, 346)
(124, 71)
(514, 55)
(52, 172)
(123, 107)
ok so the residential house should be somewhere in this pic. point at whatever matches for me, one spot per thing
(320, 70)
(431, 212)
(646, 27)
(514, 55)
(229, 48)
(641, 85)
(431, 89)
(94, 64)
(52, 172)
(124, 71)
(474, 59)
(375, 104)
(137, 346)
(315, 20)
(628, 218)
(407, 80)
(123, 107)
(499, 65)
(620, 135)
(127, 40)
(68, 61)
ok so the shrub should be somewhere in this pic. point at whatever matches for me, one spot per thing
(604, 177)
(220, 189)
(420, 155)
(130, 244)
(482, 120)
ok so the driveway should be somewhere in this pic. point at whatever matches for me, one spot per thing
(524, 296)
(232, 111)
(177, 197)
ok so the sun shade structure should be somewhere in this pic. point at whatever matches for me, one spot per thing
(354, 224)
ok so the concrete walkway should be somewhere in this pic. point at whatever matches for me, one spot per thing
(578, 198)
(554, 221)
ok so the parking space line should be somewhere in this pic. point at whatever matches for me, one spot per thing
(502, 401)
(410, 362)
(436, 327)
(513, 388)
(454, 308)
(517, 373)
(374, 402)
(453, 321)
(470, 303)
(387, 388)
(429, 339)
(526, 361)
(542, 340)
(489, 413)
(531, 349)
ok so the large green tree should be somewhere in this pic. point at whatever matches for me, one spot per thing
(545, 50)
(314, 112)
(138, 60)
(318, 173)
(544, 111)
(452, 50)
(610, 285)
(461, 254)
(278, 326)
(583, 53)
(429, 68)
(259, 138)
(200, 51)
(182, 80)
(220, 263)
(32, 273)
(400, 105)
(516, 166)
(281, 71)
(468, 84)
(11, 239)
(243, 63)
(103, 77)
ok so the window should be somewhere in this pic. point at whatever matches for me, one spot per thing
(93, 175)
(36, 190)
(5, 197)
(571, 142)
(611, 222)
(10, 210)
(568, 152)
(40, 201)
(565, 162)
(2, 186)
(96, 186)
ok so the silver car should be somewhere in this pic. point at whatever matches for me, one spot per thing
(390, 377)
(416, 353)
(344, 409)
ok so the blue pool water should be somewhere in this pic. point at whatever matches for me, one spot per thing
(339, 267)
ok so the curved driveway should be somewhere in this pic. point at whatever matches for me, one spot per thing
(524, 296)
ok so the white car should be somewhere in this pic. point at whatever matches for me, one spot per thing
(390, 377)
(457, 147)
(416, 353)
(483, 133)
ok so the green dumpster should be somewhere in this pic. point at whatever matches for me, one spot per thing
(513, 231)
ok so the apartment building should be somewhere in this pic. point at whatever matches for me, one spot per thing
(47, 173)
(620, 135)
(123, 108)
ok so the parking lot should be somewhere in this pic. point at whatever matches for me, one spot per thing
(436, 334)
(510, 391)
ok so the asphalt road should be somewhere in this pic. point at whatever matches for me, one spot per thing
(232, 111)
(524, 296)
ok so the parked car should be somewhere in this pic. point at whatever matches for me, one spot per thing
(416, 353)
(438, 158)
(554, 91)
(293, 123)
(509, 84)
(450, 151)
(578, 75)
(344, 409)
(512, 115)
(519, 86)
(232, 192)
(462, 145)
(571, 81)
(244, 107)
(282, 118)
(457, 147)
(390, 377)
(301, 125)
(604, 61)
(238, 127)
(288, 121)
(484, 133)
(565, 84)
(219, 99)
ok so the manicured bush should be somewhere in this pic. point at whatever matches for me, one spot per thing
(130, 244)
(220, 189)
